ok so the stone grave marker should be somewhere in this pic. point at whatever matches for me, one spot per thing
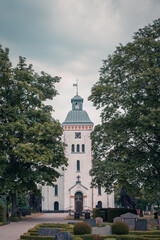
(63, 236)
(87, 215)
(102, 230)
(92, 222)
(117, 219)
(141, 225)
(152, 209)
(129, 218)
(99, 220)
(48, 231)
(76, 215)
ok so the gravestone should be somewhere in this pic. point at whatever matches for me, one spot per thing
(92, 222)
(102, 230)
(141, 225)
(76, 215)
(129, 218)
(48, 231)
(152, 209)
(99, 220)
(63, 236)
(141, 213)
(117, 219)
(87, 215)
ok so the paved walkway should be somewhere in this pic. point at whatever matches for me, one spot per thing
(13, 230)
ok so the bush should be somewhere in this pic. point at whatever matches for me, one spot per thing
(14, 218)
(2, 213)
(77, 238)
(96, 212)
(81, 228)
(117, 212)
(120, 228)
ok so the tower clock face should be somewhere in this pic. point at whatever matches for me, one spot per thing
(77, 135)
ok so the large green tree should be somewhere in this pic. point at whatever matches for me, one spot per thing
(31, 147)
(126, 145)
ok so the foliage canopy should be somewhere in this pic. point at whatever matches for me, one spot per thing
(126, 145)
(31, 149)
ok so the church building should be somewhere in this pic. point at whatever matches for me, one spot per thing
(72, 191)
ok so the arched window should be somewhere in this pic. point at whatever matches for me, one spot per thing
(99, 204)
(99, 190)
(56, 190)
(72, 148)
(56, 206)
(78, 165)
(77, 147)
(83, 148)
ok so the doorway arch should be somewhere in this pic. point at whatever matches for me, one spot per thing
(56, 206)
(78, 202)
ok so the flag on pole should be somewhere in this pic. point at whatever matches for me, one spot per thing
(74, 84)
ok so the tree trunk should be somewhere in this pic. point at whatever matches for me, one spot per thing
(14, 207)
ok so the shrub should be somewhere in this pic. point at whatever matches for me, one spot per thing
(120, 228)
(81, 228)
(14, 218)
(2, 213)
(96, 237)
(96, 212)
(116, 212)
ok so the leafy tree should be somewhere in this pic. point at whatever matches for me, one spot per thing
(31, 149)
(126, 145)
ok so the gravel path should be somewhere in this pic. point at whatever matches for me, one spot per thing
(13, 230)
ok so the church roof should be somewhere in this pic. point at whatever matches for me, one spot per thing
(77, 97)
(77, 115)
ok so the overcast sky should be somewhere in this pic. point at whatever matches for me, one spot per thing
(70, 38)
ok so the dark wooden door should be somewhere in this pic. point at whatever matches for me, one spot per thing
(78, 202)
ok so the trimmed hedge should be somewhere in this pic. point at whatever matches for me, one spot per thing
(82, 228)
(145, 232)
(120, 228)
(3, 214)
(133, 235)
(117, 212)
(96, 212)
(37, 237)
(108, 214)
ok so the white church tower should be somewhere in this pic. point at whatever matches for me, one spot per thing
(72, 190)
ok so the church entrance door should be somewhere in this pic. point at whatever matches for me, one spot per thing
(78, 202)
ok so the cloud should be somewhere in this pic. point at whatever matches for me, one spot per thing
(70, 38)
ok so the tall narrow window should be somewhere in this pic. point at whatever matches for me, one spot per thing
(78, 165)
(77, 147)
(83, 148)
(56, 190)
(72, 148)
(99, 204)
(99, 190)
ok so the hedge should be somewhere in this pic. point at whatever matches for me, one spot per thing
(25, 236)
(96, 212)
(145, 232)
(3, 214)
(133, 235)
(117, 212)
(108, 214)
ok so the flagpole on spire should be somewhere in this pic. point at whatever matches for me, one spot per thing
(76, 85)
